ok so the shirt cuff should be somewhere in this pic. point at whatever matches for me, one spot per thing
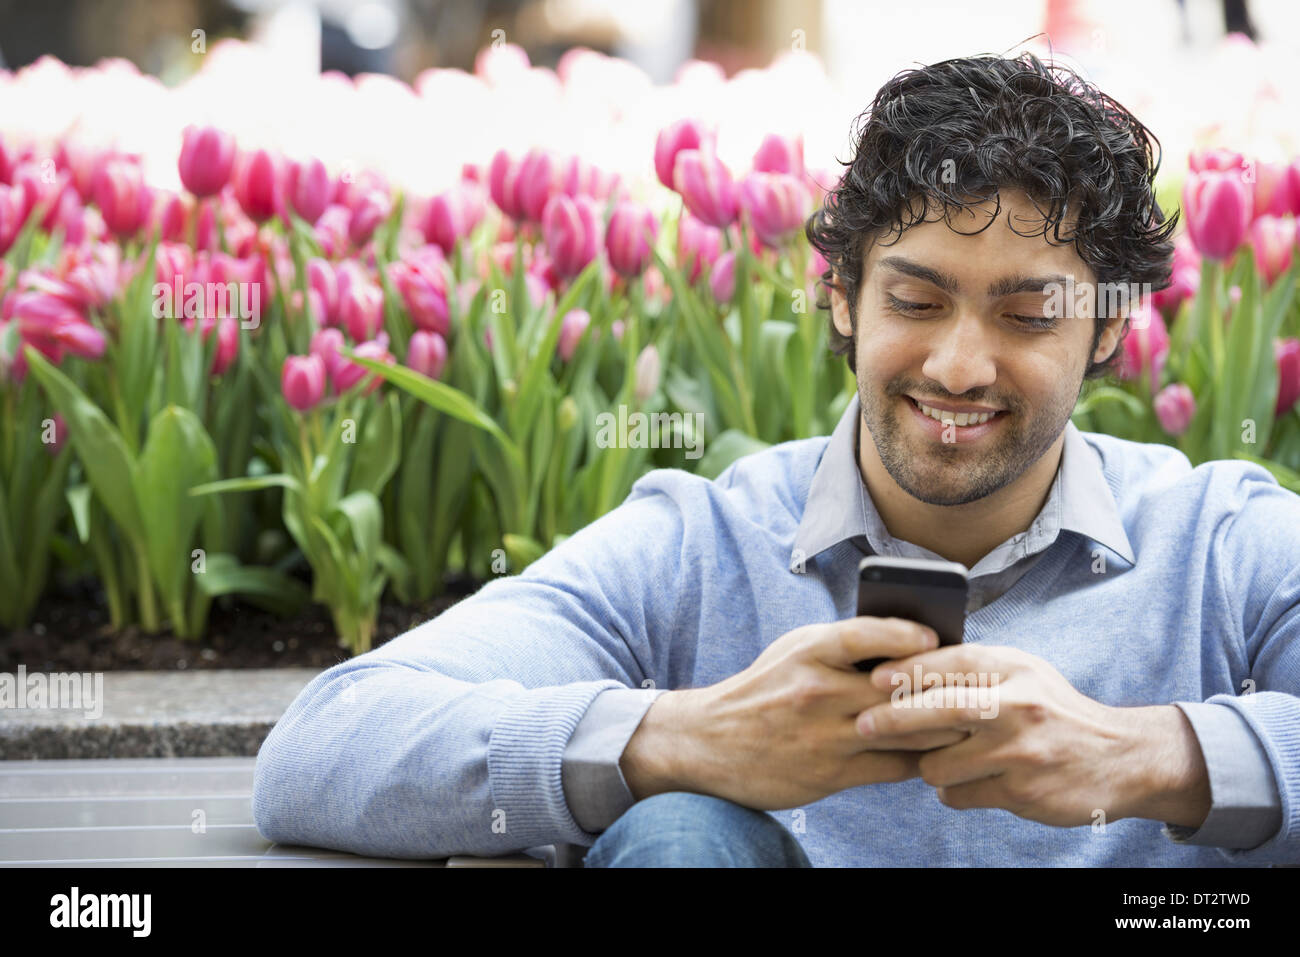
(1245, 806)
(594, 787)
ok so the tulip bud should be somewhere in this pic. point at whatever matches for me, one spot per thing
(373, 207)
(647, 372)
(683, 135)
(722, 279)
(347, 373)
(453, 215)
(572, 230)
(572, 327)
(566, 417)
(1287, 353)
(227, 345)
(1175, 405)
(776, 204)
(1217, 205)
(120, 195)
(427, 353)
(302, 381)
(1147, 338)
(258, 185)
(780, 154)
(327, 345)
(698, 244)
(206, 160)
(1273, 241)
(630, 238)
(309, 188)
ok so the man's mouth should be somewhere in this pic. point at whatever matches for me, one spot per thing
(959, 419)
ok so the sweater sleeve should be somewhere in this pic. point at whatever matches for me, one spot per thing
(449, 739)
(1259, 575)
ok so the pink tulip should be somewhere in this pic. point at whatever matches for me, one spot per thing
(80, 161)
(706, 187)
(503, 178)
(51, 323)
(361, 301)
(167, 217)
(227, 341)
(1273, 241)
(682, 135)
(537, 182)
(346, 373)
(1223, 160)
(11, 216)
(422, 284)
(632, 232)
(580, 178)
(698, 244)
(1272, 192)
(453, 215)
(6, 163)
(327, 344)
(427, 353)
(350, 187)
(302, 380)
(371, 209)
(1287, 353)
(537, 289)
(323, 292)
(120, 195)
(1184, 281)
(1217, 206)
(1291, 186)
(1175, 405)
(722, 278)
(309, 188)
(571, 227)
(780, 154)
(572, 327)
(331, 231)
(258, 185)
(97, 274)
(776, 204)
(1146, 342)
(206, 160)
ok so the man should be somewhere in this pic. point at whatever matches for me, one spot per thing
(674, 684)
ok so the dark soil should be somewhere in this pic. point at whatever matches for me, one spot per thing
(69, 631)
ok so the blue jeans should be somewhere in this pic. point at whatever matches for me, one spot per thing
(682, 829)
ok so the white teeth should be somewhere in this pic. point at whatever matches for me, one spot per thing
(959, 418)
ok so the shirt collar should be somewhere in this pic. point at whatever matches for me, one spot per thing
(1080, 500)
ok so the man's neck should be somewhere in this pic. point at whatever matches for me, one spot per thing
(960, 533)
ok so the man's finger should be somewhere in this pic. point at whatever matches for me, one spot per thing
(930, 710)
(856, 639)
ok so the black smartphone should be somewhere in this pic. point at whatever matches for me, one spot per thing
(926, 590)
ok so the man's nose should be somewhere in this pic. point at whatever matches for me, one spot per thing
(962, 353)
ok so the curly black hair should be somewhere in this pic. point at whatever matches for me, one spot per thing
(952, 133)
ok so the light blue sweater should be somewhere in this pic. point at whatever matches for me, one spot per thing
(450, 739)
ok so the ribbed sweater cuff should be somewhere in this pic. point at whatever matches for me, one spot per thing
(1275, 717)
(525, 763)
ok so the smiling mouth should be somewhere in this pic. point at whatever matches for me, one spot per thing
(959, 419)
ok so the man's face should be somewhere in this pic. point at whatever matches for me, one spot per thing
(941, 317)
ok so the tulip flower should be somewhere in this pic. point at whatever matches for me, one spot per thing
(1198, 161)
(647, 372)
(1287, 353)
(698, 244)
(1147, 340)
(537, 182)
(1184, 281)
(302, 381)
(422, 284)
(309, 188)
(346, 373)
(207, 159)
(580, 178)
(1271, 195)
(371, 209)
(632, 232)
(1175, 405)
(453, 215)
(227, 344)
(426, 353)
(361, 301)
(722, 278)
(780, 154)
(776, 203)
(706, 187)
(1273, 241)
(685, 134)
(503, 177)
(258, 185)
(167, 217)
(323, 292)
(571, 227)
(11, 216)
(572, 327)
(120, 195)
(327, 344)
(331, 231)
(1217, 205)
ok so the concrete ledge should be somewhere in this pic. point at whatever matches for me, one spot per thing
(155, 714)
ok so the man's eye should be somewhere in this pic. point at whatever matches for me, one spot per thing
(904, 305)
(1040, 321)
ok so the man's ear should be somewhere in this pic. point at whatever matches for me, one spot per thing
(1110, 336)
(840, 308)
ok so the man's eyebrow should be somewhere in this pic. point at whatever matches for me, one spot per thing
(1006, 286)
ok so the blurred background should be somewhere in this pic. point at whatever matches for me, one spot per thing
(1198, 72)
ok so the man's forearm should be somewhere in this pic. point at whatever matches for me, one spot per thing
(1170, 781)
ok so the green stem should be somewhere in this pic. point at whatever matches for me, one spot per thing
(148, 606)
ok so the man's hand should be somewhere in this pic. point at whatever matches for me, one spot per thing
(781, 733)
(1037, 747)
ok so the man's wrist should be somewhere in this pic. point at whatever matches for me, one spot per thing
(653, 760)
(1169, 780)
